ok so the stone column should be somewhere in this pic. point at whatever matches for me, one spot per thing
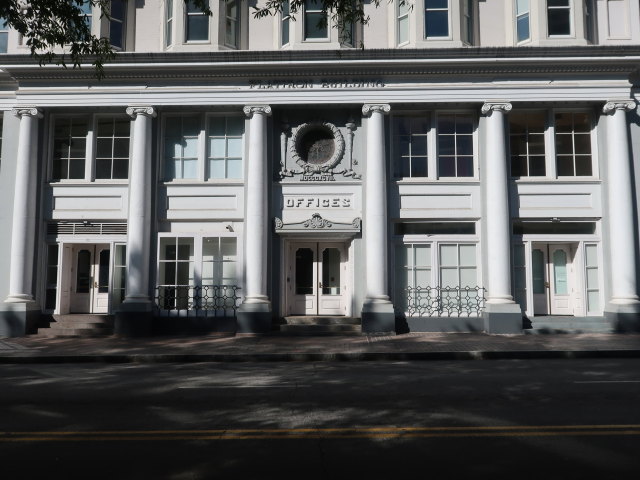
(135, 314)
(377, 311)
(502, 314)
(624, 305)
(254, 315)
(20, 311)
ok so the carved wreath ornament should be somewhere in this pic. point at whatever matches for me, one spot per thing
(317, 146)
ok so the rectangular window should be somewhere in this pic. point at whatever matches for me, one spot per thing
(526, 135)
(558, 17)
(169, 24)
(112, 148)
(467, 28)
(347, 29)
(176, 272)
(285, 24)
(119, 275)
(403, 22)
(436, 18)
(117, 25)
(315, 21)
(181, 145)
(410, 135)
(51, 286)
(196, 24)
(69, 148)
(86, 10)
(592, 280)
(590, 20)
(4, 35)
(413, 275)
(231, 26)
(225, 136)
(523, 31)
(455, 145)
(573, 144)
(219, 257)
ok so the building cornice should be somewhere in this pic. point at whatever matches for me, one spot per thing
(619, 60)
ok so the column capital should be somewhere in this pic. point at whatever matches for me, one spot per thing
(368, 109)
(27, 111)
(251, 110)
(489, 107)
(146, 110)
(612, 106)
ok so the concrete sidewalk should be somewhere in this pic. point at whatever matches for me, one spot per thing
(245, 348)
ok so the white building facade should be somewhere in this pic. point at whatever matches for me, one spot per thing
(459, 165)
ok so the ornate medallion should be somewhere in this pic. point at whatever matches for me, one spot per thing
(317, 146)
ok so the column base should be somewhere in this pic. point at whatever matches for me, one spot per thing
(502, 318)
(255, 317)
(624, 318)
(134, 319)
(18, 319)
(378, 317)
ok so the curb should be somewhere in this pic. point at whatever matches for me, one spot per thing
(153, 358)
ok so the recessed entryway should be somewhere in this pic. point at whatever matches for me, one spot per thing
(89, 280)
(316, 278)
(554, 280)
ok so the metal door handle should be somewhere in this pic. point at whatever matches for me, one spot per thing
(546, 284)
(320, 285)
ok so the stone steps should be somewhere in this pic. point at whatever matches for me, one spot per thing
(570, 325)
(78, 326)
(320, 326)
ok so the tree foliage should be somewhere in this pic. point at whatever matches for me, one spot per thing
(57, 31)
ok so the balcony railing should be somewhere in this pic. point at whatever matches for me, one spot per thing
(193, 300)
(442, 301)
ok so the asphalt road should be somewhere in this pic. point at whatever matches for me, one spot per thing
(543, 419)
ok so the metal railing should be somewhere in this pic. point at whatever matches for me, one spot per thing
(193, 300)
(442, 301)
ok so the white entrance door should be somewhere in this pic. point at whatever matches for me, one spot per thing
(560, 266)
(316, 281)
(90, 279)
(552, 282)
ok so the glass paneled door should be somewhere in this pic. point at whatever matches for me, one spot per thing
(90, 279)
(553, 283)
(316, 279)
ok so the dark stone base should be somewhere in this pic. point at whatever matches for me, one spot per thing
(378, 318)
(624, 322)
(254, 318)
(19, 319)
(440, 324)
(134, 320)
(503, 318)
(193, 325)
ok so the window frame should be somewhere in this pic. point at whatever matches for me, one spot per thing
(517, 17)
(236, 21)
(169, 24)
(571, 10)
(402, 16)
(425, 14)
(468, 19)
(4, 32)
(123, 21)
(90, 148)
(202, 158)
(185, 25)
(546, 127)
(433, 171)
(593, 144)
(305, 10)
(285, 19)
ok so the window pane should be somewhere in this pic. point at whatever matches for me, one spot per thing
(592, 278)
(228, 248)
(216, 168)
(234, 168)
(422, 255)
(593, 299)
(419, 167)
(592, 255)
(217, 147)
(468, 277)
(522, 6)
(583, 144)
(559, 21)
(537, 167)
(235, 126)
(437, 23)
(565, 165)
(190, 147)
(564, 144)
(448, 277)
(468, 255)
(197, 28)
(446, 144)
(436, 3)
(76, 168)
(403, 30)
(464, 124)
(103, 168)
(190, 169)
(315, 25)
(465, 167)
(423, 278)
(583, 166)
(446, 166)
(103, 147)
(523, 28)
(120, 168)
(234, 147)
(449, 255)
(464, 145)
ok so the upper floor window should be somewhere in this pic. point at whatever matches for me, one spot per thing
(403, 22)
(117, 23)
(79, 140)
(196, 24)
(315, 21)
(559, 17)
(435, 146)
(4, 35)
(468, 24)
(86, 8)
(436, 18)
(523, 29)
(232, 23)
(170, 24)
(184, 150)
(566, 151)
(285, 24)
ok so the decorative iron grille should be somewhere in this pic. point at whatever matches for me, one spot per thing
(442, 301)
(208, 300)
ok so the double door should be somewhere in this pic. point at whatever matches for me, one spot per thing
(90, 278)
(316, 278)
(553, 282)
